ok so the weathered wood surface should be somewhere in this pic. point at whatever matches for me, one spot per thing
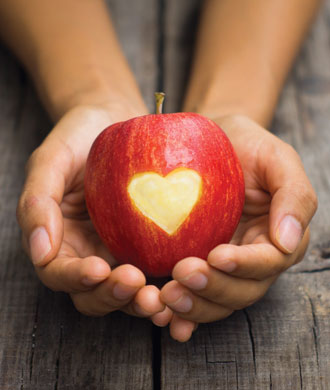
(282, 342)
(44, 343)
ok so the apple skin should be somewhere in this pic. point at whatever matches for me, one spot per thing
(161, 143)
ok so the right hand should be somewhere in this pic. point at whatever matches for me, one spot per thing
(272, 234)
(58, 235)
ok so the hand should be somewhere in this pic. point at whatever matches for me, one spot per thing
(58, 234)
(272, 235)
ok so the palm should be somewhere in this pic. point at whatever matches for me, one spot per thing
(80, 238)
(254, 224)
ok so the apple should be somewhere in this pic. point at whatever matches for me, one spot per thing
(163, 187)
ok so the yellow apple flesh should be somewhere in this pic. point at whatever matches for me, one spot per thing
(168, 200)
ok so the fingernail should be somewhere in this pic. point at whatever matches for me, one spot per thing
(289, 233)
(39, 245)
(195, 281)
(182, 305)
(120, 291)
(225, 265)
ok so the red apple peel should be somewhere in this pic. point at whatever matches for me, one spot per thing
(183, 163)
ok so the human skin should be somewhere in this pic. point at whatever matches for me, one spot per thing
(243, 54)
(69, 48)
(73, 56)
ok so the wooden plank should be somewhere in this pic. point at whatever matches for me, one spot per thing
(18, 287)
(269, 345)
(44, 342)
(302, 119)
(180, 25)
(136, 23)
(281, 342)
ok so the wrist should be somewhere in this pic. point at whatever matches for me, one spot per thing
(73, 55)
(117, 106)
(218, 104)
(96, 90)
(78, 127)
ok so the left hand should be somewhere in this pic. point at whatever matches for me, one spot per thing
(58, 234)
(272, 235)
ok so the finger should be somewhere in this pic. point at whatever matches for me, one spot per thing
(294, 201)
(38, 211)
(116, 292)
(218, 287)
(190, 306)
(73, 274)
(163, 318)
(181, 329)
(258, 261)
(146, 302)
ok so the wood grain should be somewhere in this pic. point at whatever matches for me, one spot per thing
(44, 342)
(281, 342)
(179, 33)
(137, 26)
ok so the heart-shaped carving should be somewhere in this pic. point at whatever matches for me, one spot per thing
(168, 200)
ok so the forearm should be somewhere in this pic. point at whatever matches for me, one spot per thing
(245, 49)
(70, 49)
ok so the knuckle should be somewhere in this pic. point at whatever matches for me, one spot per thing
(276, 267)
(313, 200)
(226, 313)
(308, 199)
(50, 157)
(45, 275)
(108, 303)
(46, 280)
(29, 201)
(201, 317)
(26, 203)
(245, 303)
(220, 291)
(260, 290)
(250, 299)
(286, 150)
(241, 305)
(240, 119)
(305, 190)
(290, 150)
(282, 151)
(82, 309)
(221, 315)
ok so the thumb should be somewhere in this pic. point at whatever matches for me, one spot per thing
(38, 211)
(294, 201)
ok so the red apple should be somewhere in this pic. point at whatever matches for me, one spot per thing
(163, 187)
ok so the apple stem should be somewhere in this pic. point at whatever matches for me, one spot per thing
(159, 96)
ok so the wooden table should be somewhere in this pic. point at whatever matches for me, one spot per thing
(281, 342)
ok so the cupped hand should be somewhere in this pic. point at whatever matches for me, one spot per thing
(58, 234)
(272, 235)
